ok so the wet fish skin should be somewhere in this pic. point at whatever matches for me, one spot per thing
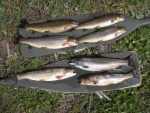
(102, 21)
(98, 64)
(104, 79)
(51, 74)
(54, 26)
(50, 42)
(102, 35)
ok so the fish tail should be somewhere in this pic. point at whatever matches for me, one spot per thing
(16, 39)
(23, 23)
(19, 77)
(14, 77)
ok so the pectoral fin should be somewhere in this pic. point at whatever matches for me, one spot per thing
(70, 44)
(65, 43)
(43, 47)
(66, 27)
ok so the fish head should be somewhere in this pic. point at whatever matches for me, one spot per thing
(120, 30)
(86, 81)
(119, 17)
(76, 62)
(72, 41)
(71, 24)
(68, 72)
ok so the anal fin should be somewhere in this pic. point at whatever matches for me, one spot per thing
(59, 77)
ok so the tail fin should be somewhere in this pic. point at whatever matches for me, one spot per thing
(23, 22)
(16, 39)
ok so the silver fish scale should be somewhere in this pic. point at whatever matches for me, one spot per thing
(103, 60)
(99, 34)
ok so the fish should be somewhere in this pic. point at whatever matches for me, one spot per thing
(54, 26)
(104, 79)
(98, 64)
(50, 74)
(102, 35)
(49, 42)
(102, 21)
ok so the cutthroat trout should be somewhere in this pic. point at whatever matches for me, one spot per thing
(104, 79)
(98, 64)
(50, 42)
(102, 35)
(100, 22)
(51, 74)
(54, 26)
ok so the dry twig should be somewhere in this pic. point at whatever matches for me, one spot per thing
(89, 106)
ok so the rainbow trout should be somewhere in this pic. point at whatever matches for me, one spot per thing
(104, 79)
(98, 64)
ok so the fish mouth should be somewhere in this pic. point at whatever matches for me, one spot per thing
(72, 62)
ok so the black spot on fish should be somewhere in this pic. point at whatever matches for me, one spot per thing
(43, 47)
(85, 66)
(33, 32)
(84, 30)
(30, 47)
(47, 31)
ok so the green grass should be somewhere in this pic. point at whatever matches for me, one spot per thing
(132, 100)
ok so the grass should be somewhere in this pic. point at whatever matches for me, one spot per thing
(132, 100)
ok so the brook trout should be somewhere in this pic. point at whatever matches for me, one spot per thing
(102, 21)
(50, 42)
(104, 34)
(51, 74)
(54, 26)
